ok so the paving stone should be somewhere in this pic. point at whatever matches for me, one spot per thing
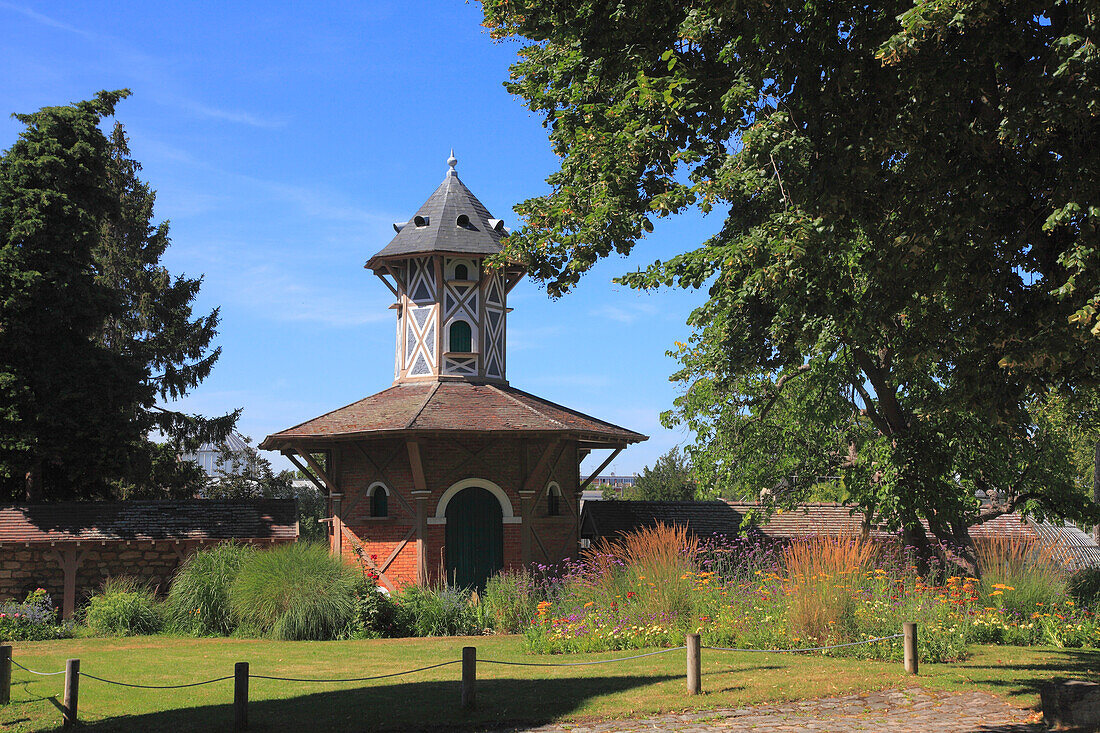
(911, 710)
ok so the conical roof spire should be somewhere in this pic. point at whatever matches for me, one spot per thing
(452, 220)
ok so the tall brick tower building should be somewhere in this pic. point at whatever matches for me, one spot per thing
(451, 473)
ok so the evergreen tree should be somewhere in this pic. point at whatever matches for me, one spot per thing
(92, 330)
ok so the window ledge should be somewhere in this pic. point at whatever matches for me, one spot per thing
(460, 354)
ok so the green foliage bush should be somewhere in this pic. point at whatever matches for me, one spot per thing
(198, 602)
(509, 602)
(437, 611)
(376, 613)
(125, 607)
(295, 592)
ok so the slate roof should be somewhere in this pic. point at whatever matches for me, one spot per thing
(442, 232)
(702, 518)
(451, 406)
(194, 519)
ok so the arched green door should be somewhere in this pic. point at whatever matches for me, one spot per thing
(475, 538)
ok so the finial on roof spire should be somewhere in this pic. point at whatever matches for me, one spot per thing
(452, 161)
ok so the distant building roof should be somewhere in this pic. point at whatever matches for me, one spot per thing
(193, 519)
(1067, 544)
(437, 227)
(451, 406)
(702, 518)
(209, 455)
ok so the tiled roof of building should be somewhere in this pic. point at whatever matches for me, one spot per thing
(702, 518)
(441, 231)
(1068, 544)
(195, 519)
(451, 406)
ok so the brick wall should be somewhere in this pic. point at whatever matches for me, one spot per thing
(505, 462)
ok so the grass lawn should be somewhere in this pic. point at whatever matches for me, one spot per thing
(431, 699)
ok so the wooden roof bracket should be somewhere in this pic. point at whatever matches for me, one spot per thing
(605, 464)
(317, 475)
(387, 283)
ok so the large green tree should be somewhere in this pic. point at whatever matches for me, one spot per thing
(93, 331)
(670, 478)
(911, 240)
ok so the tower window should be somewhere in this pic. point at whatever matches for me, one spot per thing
(461, 273)
(379, 501)
(461, 339)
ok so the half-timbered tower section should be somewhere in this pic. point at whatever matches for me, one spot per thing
(450, 474)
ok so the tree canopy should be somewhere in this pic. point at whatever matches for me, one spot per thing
(910, 253)
(93, 330)
(670, 478)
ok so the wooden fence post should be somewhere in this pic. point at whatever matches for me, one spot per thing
(469, 677)
(911, 661)
(694, 681)
(72, 692)
(240, 696)
(5, 675)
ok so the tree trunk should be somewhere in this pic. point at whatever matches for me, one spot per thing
(33, 485)
(1096, 486)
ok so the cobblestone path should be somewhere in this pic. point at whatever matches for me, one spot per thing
(913, 710)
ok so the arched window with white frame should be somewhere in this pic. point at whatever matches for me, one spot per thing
(379, 495)
(553, 499)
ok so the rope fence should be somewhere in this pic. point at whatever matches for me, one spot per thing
(241, 674)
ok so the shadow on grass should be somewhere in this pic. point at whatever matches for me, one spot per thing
(407, 706)
(1026, 679)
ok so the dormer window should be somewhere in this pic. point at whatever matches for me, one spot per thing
(460, 337)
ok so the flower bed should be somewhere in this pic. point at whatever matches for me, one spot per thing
(35, 619)
(814, 593)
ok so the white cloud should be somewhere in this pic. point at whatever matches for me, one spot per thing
(627, 313)
(45, 19)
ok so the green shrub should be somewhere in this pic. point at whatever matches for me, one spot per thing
(1084, 587)
(124, 607)
(509, 603)
(198, 602)
(438, 611)
(295, 592)
(376, 613)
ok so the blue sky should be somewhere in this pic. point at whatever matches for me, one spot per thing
(284, 138)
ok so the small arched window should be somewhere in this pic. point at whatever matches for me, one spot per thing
(461, 339)
(379, 501)
(461, 272)
(553, 501)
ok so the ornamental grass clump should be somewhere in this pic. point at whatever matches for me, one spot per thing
(198, 600)
(510, 601)
(124, 607)
(822, 573)
(1020, 576)
(295, 592)
(652, 567)
(437, 611)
